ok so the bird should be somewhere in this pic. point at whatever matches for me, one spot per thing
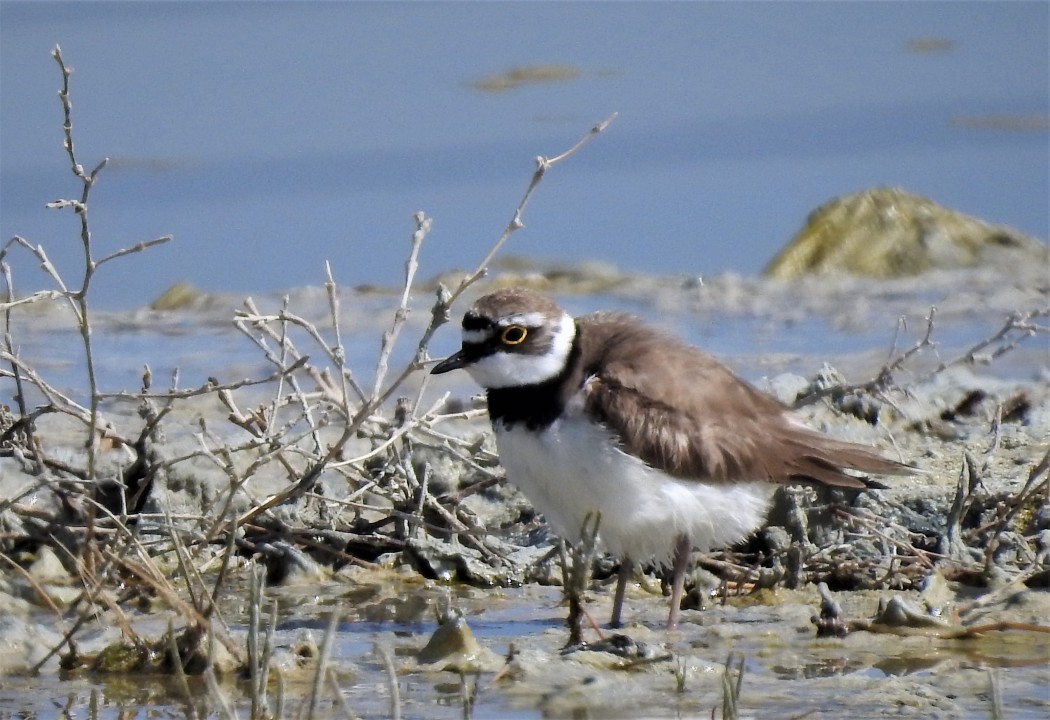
(607, 414)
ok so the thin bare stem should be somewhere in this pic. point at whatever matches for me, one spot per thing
(423, 224)
(543, 164)
(391, 677)
(323, 657)
(139, 247)
(1017, 327)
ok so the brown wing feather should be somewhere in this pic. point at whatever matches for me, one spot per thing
(683, 412)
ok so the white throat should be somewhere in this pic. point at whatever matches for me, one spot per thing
(504, 369)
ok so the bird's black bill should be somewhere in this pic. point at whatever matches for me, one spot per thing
(452, 362)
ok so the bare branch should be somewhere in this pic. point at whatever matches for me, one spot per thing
(542, 165)
(134, 249)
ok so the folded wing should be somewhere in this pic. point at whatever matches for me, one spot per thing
(685, 413)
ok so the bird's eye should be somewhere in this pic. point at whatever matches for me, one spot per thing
(513, 335)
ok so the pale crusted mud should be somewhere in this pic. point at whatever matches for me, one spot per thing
(963, 545)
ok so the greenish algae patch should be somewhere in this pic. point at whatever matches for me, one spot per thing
(515, 77)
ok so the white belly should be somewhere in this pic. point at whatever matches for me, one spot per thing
(574, 468)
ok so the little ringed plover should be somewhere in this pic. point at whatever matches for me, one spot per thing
(604, 413)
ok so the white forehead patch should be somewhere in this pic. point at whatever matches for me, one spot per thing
(532, 319)
(476, 337)
(510, 369)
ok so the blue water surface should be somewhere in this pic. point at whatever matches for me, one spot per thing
(270, 137)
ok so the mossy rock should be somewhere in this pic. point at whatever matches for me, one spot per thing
(178, 296)
(120, 657)
(888, 232)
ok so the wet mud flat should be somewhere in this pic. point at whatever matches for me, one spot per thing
(769, 643)
(941, 580)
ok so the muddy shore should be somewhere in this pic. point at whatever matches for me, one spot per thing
(411, 523)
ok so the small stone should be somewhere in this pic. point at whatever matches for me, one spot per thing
(48, 568)
(898, 612)
(454, 648)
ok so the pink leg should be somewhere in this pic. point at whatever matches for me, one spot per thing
(682, 552)
(624, 573)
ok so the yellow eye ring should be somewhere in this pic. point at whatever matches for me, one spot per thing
(513, 335)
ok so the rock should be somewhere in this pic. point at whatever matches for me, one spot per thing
(51, 583)
(404, 609)
(120, 657)
(23, 644)
(580, 278)
(177, 297)
(616, 651)
(888, 232)
(453, 647)
(47, 568)
(447, 562)
(900, 612)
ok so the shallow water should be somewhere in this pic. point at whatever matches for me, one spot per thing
(787, 671)
(759, 328)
